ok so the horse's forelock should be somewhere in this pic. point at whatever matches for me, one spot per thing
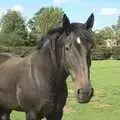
(50, 38)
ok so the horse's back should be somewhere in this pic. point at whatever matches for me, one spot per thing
(8, 80)
(20, 85)
(4, 57)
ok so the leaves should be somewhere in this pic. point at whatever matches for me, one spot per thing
(13, 29)
(44, 20)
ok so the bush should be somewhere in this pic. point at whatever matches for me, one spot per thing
(116, 52)
(21, 51)
(12, 39)
(101, 53)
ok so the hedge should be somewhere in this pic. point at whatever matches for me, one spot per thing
(21, 51)
(98, 53)
(116, 52)
(101, 53)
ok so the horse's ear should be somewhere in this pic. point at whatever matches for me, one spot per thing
(66, 23)
(90, 21)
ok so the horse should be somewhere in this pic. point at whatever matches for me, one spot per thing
(36, 84)
(4, 57)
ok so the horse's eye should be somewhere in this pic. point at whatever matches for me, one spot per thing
(67, 48)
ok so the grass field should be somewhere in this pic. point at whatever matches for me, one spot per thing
(106, 102)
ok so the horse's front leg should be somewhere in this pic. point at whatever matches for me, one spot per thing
(32, 115)
(59, 105)
(56, 115)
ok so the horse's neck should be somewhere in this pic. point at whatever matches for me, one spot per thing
(45, 62)
(42, 63)
(62, 75)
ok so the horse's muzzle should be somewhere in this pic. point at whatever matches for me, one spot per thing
(84, 96)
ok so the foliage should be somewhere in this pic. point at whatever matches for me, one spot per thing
(101, 53)
(11, 39)
(20, 51)
(15, 33)
(100, 36)
(13, 29)
(116, 29)
(44, 20)
(116, 52)
(108, 33)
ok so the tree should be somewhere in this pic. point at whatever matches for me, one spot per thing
(116, 30)
(44, 20)
(101, 36)
(98, 37)
(13, 28)
(108, 33)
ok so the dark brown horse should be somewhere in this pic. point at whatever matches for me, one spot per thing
(36, 84)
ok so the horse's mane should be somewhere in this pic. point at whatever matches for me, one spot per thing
(50, 37)
(53, 34)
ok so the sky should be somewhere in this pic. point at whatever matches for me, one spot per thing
(106, 11)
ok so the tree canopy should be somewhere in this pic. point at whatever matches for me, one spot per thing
(13, 28)
(15, 31)
(44, 20)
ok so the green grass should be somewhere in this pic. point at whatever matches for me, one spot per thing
(106, 102)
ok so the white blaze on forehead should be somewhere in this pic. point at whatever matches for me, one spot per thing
(78, 40)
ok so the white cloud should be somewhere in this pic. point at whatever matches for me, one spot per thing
(18, 8)
(110, 11)
(56, 2)
(44, 5)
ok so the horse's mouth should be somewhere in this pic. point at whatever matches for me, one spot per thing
(83, 101)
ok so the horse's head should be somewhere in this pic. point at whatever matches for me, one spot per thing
(77, 55)
(70, 46)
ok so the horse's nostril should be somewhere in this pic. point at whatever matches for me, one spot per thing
(79, 91)
(85, 93)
